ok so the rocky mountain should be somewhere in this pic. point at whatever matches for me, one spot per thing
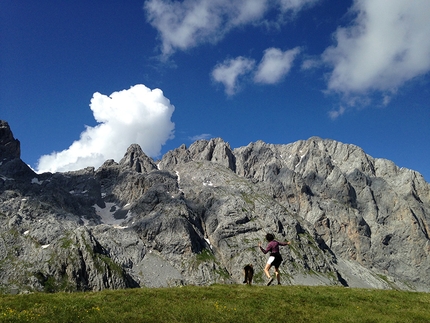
(197, 215)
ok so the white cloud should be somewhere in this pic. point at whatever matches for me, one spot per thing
(295, 5)
(229, 71)
(310, 63)
(334, 114)
(274, 65)
(387, 45)
(185, 24)
(200, 137)
(137, 115)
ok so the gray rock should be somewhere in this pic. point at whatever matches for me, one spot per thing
(9, 146)
(197, 216)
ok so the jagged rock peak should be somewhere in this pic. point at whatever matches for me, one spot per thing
(137, 160)
(299, 155)
(174, 157)
(215, 150)
(9, 146)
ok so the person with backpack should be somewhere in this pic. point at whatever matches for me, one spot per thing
(275, 258)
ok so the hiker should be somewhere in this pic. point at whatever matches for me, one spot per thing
(275, 258)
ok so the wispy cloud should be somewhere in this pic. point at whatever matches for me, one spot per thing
(387, 45)
(334, 114)
(275, 65)
(200, 137)
(295, 5)
(137, 115)
(310, 63)
(184, 24)
(230, 70)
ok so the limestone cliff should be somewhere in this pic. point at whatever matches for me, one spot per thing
(197, 215)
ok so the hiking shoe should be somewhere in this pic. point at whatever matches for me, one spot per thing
(269, 281)
(279, 283)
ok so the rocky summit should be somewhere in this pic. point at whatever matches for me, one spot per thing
(197, 215)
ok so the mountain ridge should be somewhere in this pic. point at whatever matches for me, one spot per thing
(196, 216)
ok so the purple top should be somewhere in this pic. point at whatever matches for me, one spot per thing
(273, 246)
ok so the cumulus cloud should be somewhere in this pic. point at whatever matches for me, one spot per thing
(387, 44)
(185, 24)
(274, 65)
(137, 115)
(229, 71)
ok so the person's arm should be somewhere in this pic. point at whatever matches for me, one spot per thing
(284, 243)
(262, 249)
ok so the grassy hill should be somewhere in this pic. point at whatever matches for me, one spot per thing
(220, 303)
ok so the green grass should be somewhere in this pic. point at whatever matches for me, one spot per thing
(220, 303)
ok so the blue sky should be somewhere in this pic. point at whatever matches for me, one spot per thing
(82, 80)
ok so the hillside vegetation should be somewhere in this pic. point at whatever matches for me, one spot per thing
(220, 303)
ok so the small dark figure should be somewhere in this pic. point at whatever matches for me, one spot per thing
(249, 273)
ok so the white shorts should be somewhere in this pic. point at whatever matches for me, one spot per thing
(270, 260)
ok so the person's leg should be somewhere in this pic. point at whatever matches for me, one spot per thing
(278, 275)
(266, 270)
